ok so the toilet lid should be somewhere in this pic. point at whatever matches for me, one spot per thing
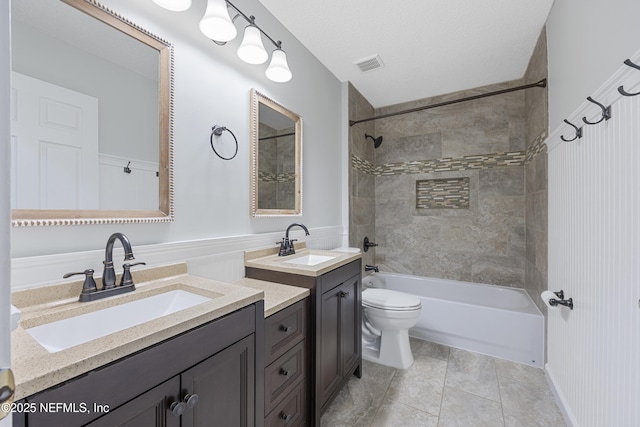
(388, 299)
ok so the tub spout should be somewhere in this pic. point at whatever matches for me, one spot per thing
(371, 268)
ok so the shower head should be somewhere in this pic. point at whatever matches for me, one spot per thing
(376, 141)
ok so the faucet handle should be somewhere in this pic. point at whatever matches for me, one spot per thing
(127, 279)
(89, 285)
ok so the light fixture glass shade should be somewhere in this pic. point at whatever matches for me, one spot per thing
(252, 50)
(216, 23)
(174, 5)
(278, 70)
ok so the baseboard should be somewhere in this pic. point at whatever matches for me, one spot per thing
(561, 400)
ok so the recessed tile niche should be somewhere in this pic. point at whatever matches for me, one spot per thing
(449, 193)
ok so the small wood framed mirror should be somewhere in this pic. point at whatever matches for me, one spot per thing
(276, 158)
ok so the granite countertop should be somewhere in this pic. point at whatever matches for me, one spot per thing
(268, 259)
(36, 369)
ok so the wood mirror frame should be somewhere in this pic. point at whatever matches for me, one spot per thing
(258, 99)
(164, 213)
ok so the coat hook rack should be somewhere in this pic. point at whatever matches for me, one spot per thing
(578, 132)
(606, 112)
(620, 88)
(217, 131)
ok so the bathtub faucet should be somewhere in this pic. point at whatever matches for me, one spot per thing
(371, 268)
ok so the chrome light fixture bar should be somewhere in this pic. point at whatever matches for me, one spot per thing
(219, 27)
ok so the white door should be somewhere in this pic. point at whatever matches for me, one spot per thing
(54, 137)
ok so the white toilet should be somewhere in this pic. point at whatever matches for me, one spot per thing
(386, 318)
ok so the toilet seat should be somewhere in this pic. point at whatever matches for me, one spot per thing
(387, 299)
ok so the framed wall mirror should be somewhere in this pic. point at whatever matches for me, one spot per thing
(276, 158)
(91, 120)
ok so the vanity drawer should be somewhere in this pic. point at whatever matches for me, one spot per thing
(284, 329)
(291, 412)
(283, 375)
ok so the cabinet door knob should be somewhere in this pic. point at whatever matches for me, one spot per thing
(287, 417)
(286, 329)
(285, 372)
(343, 294)
(191, 400)
(177, 408)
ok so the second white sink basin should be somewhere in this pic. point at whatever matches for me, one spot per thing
(67, 333)
(311, 259)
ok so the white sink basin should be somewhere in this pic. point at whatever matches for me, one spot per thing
(310, 259)
(66, 333)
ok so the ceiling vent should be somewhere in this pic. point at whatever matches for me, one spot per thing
(369, 63)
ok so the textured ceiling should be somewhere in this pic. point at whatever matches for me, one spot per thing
(428, 47)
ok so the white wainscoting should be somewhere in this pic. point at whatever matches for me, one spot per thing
(135, 190)
(594, 256)
(219, 259)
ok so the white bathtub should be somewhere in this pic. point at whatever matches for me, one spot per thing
(494, 320)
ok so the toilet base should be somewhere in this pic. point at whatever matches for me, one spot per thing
(394, 350)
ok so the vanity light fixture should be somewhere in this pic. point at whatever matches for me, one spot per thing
(252, 50)
(216, 23)
(218, 26)
(278, 70)
(174, 5)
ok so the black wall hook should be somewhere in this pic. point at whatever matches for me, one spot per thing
(606, 112)
(578, 132)
(620, 88)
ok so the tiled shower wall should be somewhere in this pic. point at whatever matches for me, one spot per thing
(537, 123)
(495, 143)
(362, 208)
(482, 140)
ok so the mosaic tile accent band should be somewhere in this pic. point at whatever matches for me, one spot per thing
(452, 193)
(447, 164)
(272, 177)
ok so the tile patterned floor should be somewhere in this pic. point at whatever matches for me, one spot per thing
(446, 387)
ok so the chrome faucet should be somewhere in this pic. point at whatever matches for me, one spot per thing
(371, 268)
(286, 245)
(109, 274)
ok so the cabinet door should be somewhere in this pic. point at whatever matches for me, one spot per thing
(329, 366)
(150, 409)
(350, 326)
(224, 384)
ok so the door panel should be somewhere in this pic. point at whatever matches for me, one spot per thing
(56, 146)
(224, 384)
(150, 409)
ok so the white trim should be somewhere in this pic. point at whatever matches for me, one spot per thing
(560, 399)
(608, 94)
(37, 271)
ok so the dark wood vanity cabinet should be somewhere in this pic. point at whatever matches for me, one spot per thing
(338, 338)
(335, 332)
(286, 366)
(204, 377)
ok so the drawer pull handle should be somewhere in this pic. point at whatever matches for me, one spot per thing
(177, 408)
(287, 418)
(285, 372)
(191, 400)
(286, 329)
(343, 294)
